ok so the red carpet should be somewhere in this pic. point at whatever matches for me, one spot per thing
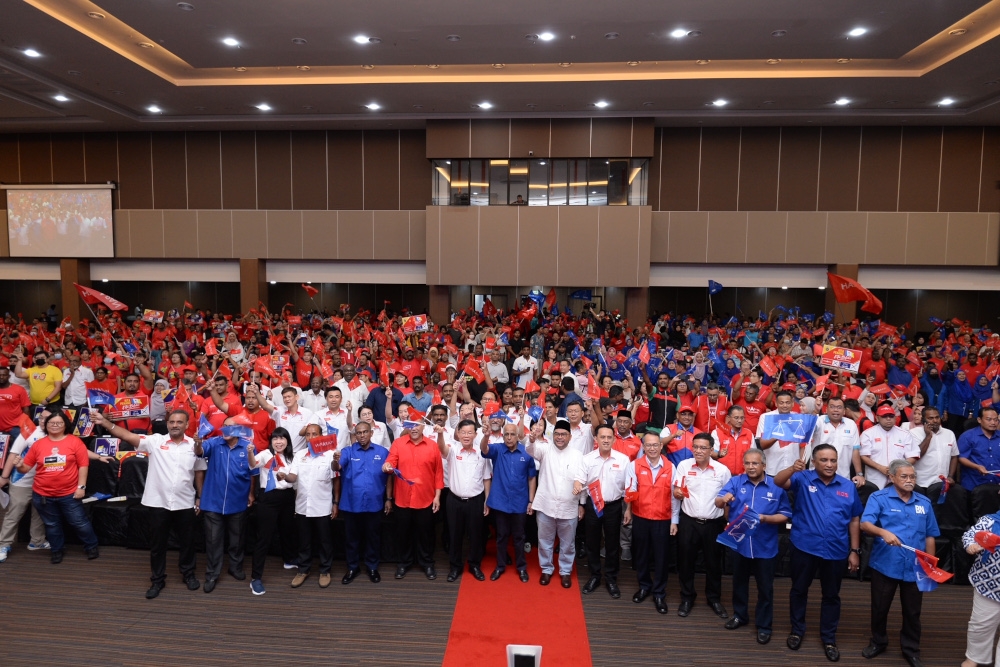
(489, 615)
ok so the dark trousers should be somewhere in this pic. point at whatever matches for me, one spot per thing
(649, 553)
(219, 528)
(362, 527)
(161, 521)
(442, 518)
(510, 526)
(910, 599)
(804, 568)
(609, 524)
(696, 535)
(53, 510)
(275, 511)
(762, 570)
(306, 526)
(465, 517)
(415, 536)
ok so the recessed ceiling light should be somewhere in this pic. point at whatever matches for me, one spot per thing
(946, 102)
(779, 33)
(822, 287)
(274, 282)
(601, 104)
(418, 106)
(299, 41)
(484, 105)
(304, 68)
(368, 67)
(784, 287)
(263, 106)
(957, 31)
(152, 108)
(374, 40)
(240, 69)
(857, 32)
(531, 37)
(104, 280)
(31, 53)
(145, 45)
(611, 35)
(702, 62)
(231, 41)
(185, 6)
(96, 15)
(546, 36)
(453, 38)
(678, 33)
(719, 103)
(361, 39)
(542, 162)
(773, 61)
(842, 102)
(694, 33)
(633, 63)
(498, 65)
(768, 102)
(60, 98)
(433, 66)
(647, 104)
(565, 64)
(373, 106)
(843, 61)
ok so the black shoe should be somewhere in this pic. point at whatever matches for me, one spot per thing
(350, 576)
(496, 574)
(684, 609)
(56, 557)
(734, 623)
(719, 610)
(192, 583)
(613, 590)
(545, 579)
(832, 652)
(374, 576)
(794, 642)
(873, 650)
(453, 574)
(567, 580)
(640, 595)
(591, 585)
(763, 637)
(238, 575)
(400, 572)
(210, 585)
(93, 553)
(913, 661)
(523, 574)
(661, 605)
(431, 573)
(153, 591)
(477, 573)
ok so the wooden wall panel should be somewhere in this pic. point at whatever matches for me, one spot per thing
(204, 170)
(36, 158)
(67, 158)
(642, 137)
(382, 170)
(458, 234)
(448, 138)
(959, 170)
(611, 137)
(720, 166)
(989, 184)
(920, 169)
(798, 178)
(135, 170)
(239, 170)
(570, 137)
(679, 168)
(838, 169)
(529, 136)
(577, 246)
(100, 156)
(169, 170)
(653, 192)
(414, 171)
(618, 240)
(392, 235)
(497, 248)
(758, 171)
(10, 168)
(345, 170)
(309, 180)
(274, 170)
(538, 232)
(490, 138)
(879, 187)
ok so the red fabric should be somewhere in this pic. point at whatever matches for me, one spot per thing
(652, 499)
(707, 415)
(310, 290)
(846, 290)
(630, 446)
(92, 297)
(57, 465)
(13, 400)
(420, 463)
(735, 448)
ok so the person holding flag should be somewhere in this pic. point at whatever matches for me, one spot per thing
(982, 540)
(842, 433)
(756, 553)
(469, 479)
(511, 494)
(901, 521)
(732, 441)
(275, 506)
(334, 420)
(525, 369)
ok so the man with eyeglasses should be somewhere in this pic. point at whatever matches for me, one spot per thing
(979, 456)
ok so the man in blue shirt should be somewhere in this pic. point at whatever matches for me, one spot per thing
(897, 516)
(979, 456)
(225, 496)
(758, 552)
(511, 494)
(825, 533)
(365, 493)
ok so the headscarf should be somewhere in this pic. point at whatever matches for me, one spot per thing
(157, 408)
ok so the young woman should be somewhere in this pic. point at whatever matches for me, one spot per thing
(275, 507)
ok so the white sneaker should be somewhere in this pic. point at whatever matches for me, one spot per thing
(38, 547)
(4, 551)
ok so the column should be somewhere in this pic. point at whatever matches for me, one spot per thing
(842, 312)
(439, 307)
(636, 306)
(74, 271)
(253, 283)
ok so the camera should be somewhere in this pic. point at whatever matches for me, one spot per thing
(531, 153)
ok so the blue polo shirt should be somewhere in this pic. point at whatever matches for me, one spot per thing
(511, 472)
(765, 497)
(912, 522)
(975, 446)
(822, 513)
(362, 482)
(227, 479)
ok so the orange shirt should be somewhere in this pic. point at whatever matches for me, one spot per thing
(420, 463)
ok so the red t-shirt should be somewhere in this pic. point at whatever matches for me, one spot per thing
(136, 423)
(216, 416)
(263, 426)
(57, 465)
(13, 400)
(303, 373)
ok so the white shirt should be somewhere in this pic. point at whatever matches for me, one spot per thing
(338, 420)
(468, 470)
(310, 400)
(703, 487)
(170, 478)
(884, 446)
(380, 434)
(498, 372)
(844, 437)
(611, 472)
(936, 460)
(274, 395)
(19, 446)
(76, 390)
(357, 397)
(264, 465)
(521, 364)
(781, 454)
(581, 438)
(554, 495)
(314, 485)
(294, 423)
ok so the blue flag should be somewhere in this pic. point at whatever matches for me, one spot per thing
(100, 397)
(130, 347)
(537, 297)
(740, 528)
(535, 412)
(237, 431)
(332, 430)
(714, 287)
(582, 294)
(828, 316)
(398, 474)
(793, 427)
(554, 310)
(205, 427)
(272, 482)
(502, 339)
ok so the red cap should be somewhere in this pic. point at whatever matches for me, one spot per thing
(686, 408)
(885, 409)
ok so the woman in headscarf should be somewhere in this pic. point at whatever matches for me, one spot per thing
(157, 407)
(958, 400)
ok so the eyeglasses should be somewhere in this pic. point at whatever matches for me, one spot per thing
(907, 478)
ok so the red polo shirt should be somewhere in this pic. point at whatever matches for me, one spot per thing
(419, 462)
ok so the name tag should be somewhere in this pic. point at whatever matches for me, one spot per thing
(919, 509)
(843, 494)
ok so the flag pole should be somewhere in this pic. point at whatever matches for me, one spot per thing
(711, 311)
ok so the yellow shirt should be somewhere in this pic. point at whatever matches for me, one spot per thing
(42, 381)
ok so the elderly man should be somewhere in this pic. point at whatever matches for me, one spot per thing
(511, 493)
(886, 442)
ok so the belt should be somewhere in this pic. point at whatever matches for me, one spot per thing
(696, 520)
(465, 500)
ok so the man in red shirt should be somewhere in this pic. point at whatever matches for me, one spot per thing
(224, 403)
(710, 409)
(752, 408)
(732, 441)
(134, 388)
(14, 403)
(626, 442)
(408, 366)
(418, 460)
(676, 438)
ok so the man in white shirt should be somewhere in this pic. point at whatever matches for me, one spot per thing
(842, 434)
(581, 436)
(497, 369)
(525, 367)
(19, 489)
(75, 381)
(314, 399)
(353, 390)
(885, 442)
(469, 474)
(556, 507)
(333, 419)
(602, 472)
(291, 417)
(938, 450)
(316, 501)
(780, 453)
(697, 482)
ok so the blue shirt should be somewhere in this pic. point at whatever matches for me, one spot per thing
(912, 522)
(423, 403)
(362, 482)
(765, 497)
(975, 446)
(822, 513)
(511, 472)
(227, 480)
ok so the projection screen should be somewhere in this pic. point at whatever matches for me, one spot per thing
(61, 222)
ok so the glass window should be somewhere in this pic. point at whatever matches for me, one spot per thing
(479, 183)
(518, 182)
(558, 177)
(441, 182)
(538, 183)
(597, 182)
(498, 182)
(578, 182)
(459, 182)
(638, 183)
(617, 188)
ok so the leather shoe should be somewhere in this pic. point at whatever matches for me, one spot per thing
(793, 642)
(832, 652)
(734, 623)
(763, 637)
(591, 585)
(523, 574)
(567, 580)
(453, 574)
(210, 585)
(640, 595)
(613, 590)
(192, 583)
(719, 610)
(685, 608)
(477, 573)
(374, 576)
(238, 575)
(872, 650)
(496, 574)
(545, 579)
(431, 573)
(153, 591)
(350, 576)
(913, 661)
(400, 572)
(661, 605)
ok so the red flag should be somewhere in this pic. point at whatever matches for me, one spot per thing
(226, 371)
(846, 290)
(880, 390)
(929, 565)
(684, 487)
(644, 355)
(593, 388)
(317, 347)
(310, 290)
(531, 387)
(821, 383)
(26, 425)
(767, 365)
(211, 347)
(472, 368)
(550, 298)
(490, 408)
(987, 540)
(92, 297)
(489, 310)
(188, 306)
(436, 398)
(263, 366)
(181, 398)
(242, 420)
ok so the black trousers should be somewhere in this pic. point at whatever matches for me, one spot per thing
(465, 517)
(362, 528)
(160, 522)
(910, 600)
(306, 526)
(441, 518)
(650, 538)
(804, 568)
(696, 535)
(275, 512)
(415, 536)
(218, 529)
(762, 570)
(609, 524)
(510, 527)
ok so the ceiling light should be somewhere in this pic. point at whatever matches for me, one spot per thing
(433, 66)
(822, 287)
(611, 35)
(694, 33)
(145, 45)
(96, 15)
(779, 33)
(946, 102)
(61, 98)
(484, 105)
(647, 104)
(768, 102)
(185, 6)
(104, 280)
(418, 106)
(373, 106)
(565, 64)
(360, 39)
(304, 68)
(678, 33)
(531, 37)
(368, 67)
(231, 41)
(842, 102)
(784, 287)
(702, 62)
(542, 162)
(843, 61)
(263, 106)
(719, 103)
(240, 69)
(857, 32)
(498, 65)
(453, 38)
(957, 31)
(374, 40)
(299, 41)
(773, 61)
(633, 63)
(601, 104)
(31, 53)
(274, 282)
(152, 108)
(546, 36)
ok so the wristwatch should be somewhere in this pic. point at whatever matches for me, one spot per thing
(857, 551)
(82, 487)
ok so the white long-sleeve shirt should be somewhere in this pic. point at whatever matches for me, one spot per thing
(554, 495)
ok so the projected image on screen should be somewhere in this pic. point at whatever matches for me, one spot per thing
(60, 223)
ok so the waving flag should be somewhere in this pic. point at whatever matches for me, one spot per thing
(211, 347)
(310, 290)
(582, 294)
(535, 412)
(205, 427)
(846, 290)
(793, 427)
(740, 528)
(531, 386)
(99, 397)
(92, 297)
(237, 431)
(322, 444)
(263, 366)
(929, 575)
(398, 474)
(550, 299)
(714, 287)
(489, 310)
(988, 541)
(472, 368)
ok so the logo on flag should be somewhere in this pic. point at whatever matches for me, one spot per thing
(739, 529)
(792, 427)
